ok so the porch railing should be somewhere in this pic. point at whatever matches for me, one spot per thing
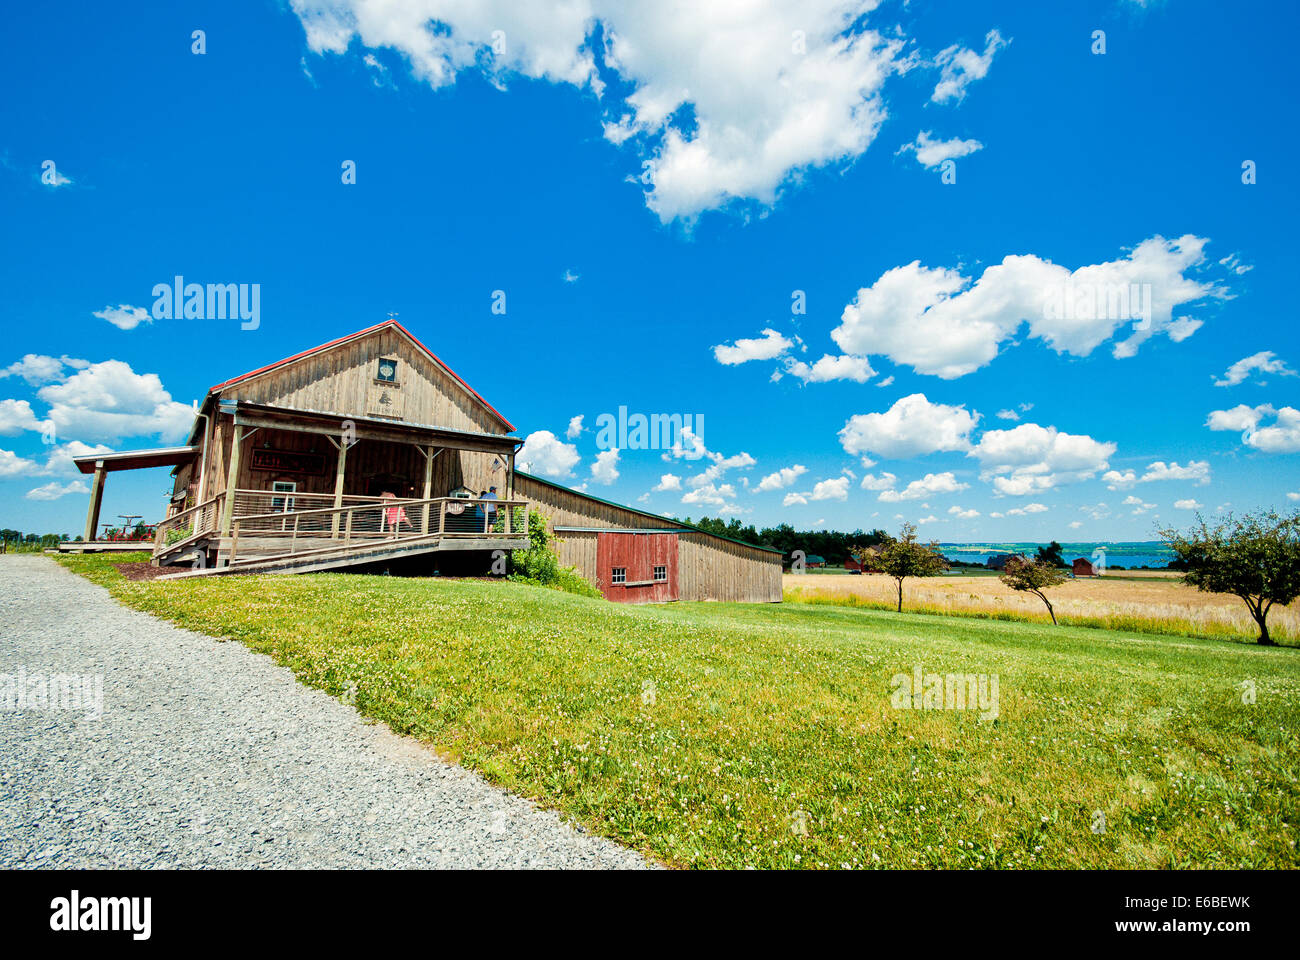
(328, 529)
(188, 524)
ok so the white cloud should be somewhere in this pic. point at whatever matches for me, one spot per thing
(711, 495)
(109, 400)
(961, 66)
(1281, 436)
(1195, 470)
(938, 322)
(37, 368)
(1030, 458)
(930, 153)
(570, 277)
(782, 478)
(931, 483)
(924, 520)
(12, 465)
(1075, 524)
(830, 368)
(767, 347)
(59, 462)
(1265, 362)
(793, 498)
(16, 417)
(124, 316)
(546, 454)
(1293, 496)
(887, 382)
(834, 489)
(575, 428)
(1026, 510)
(1008, 415)
(727, 101)
(55, 490)
(885, 481)
(669, 481)
(1139, 505)
(605, 469)
(962, 514)
(1187, 505)
(911, 427)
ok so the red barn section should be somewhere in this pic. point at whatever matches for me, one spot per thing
(626, 567)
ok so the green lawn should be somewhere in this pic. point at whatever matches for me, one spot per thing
(730, 735)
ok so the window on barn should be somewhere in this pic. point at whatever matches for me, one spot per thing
(283, 503)
(386, 371)
(619, 575)
(661, 574)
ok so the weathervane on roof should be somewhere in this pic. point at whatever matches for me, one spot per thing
(392, 314)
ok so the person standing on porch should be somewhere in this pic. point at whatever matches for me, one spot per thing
(489, 509)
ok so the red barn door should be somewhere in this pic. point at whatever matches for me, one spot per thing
(637, 567)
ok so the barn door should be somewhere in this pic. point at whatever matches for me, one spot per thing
(637, 567)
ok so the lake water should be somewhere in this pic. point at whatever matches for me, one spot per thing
(1130, 554)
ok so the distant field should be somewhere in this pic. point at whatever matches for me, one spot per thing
(1135, 600)
(735, 735)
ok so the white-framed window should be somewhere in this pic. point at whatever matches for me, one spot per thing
(283, 503)
(661, 573)
(619, 575)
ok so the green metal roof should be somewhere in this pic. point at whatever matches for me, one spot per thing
(689, 527)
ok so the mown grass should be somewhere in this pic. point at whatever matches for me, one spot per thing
(705, 734)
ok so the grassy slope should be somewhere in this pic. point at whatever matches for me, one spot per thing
(764, 711)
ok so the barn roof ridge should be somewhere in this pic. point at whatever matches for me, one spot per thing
(645, 513)
(391, 323)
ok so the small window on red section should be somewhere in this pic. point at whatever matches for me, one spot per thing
(661, 574)
(619, 575)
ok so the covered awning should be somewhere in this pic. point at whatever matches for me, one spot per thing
(136, 459)
(101, 464)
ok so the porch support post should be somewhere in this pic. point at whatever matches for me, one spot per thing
(342, 446)
(429, 456)
(232, 477)
(96, 498)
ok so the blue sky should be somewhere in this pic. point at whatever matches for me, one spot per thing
(792, 148)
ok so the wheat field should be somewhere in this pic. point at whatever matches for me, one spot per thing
(1146, 602)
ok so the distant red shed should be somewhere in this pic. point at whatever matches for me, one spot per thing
(1085, 568)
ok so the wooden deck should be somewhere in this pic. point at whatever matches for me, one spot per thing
(218, 538)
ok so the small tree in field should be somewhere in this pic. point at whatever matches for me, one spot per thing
(907, 557)
(1255, 557)
(1034, 576)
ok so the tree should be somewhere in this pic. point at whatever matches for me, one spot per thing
(1051, 554)
(905, 556)
(1034, 576)
(1255, 557)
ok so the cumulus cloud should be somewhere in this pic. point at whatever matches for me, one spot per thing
(575, 428)
(669, 481)
(109, 400)
(710, 494)
(1027, 509)
(54, 490)
(913, 426)
(782, 478)
(124, 316)
(1187, 505)
(1282, 435)
(885, 481)
(830, 368)
(16, 416)
(962, 514)
(1263, 362)
(1030, 458)
(546, 454)
(605, 469)
(726, 101)
(1195, 470)
(931, 483)
(37, 368)
(767, 347)
(961, 66)
(939, 322)
(930, 153)
(12, 465)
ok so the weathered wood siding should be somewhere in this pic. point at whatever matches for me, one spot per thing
(339, 381)
(708, 567)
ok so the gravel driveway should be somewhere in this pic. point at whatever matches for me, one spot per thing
(209, 755)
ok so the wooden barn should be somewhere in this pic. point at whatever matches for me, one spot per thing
(369, 452)
(1084, 567)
